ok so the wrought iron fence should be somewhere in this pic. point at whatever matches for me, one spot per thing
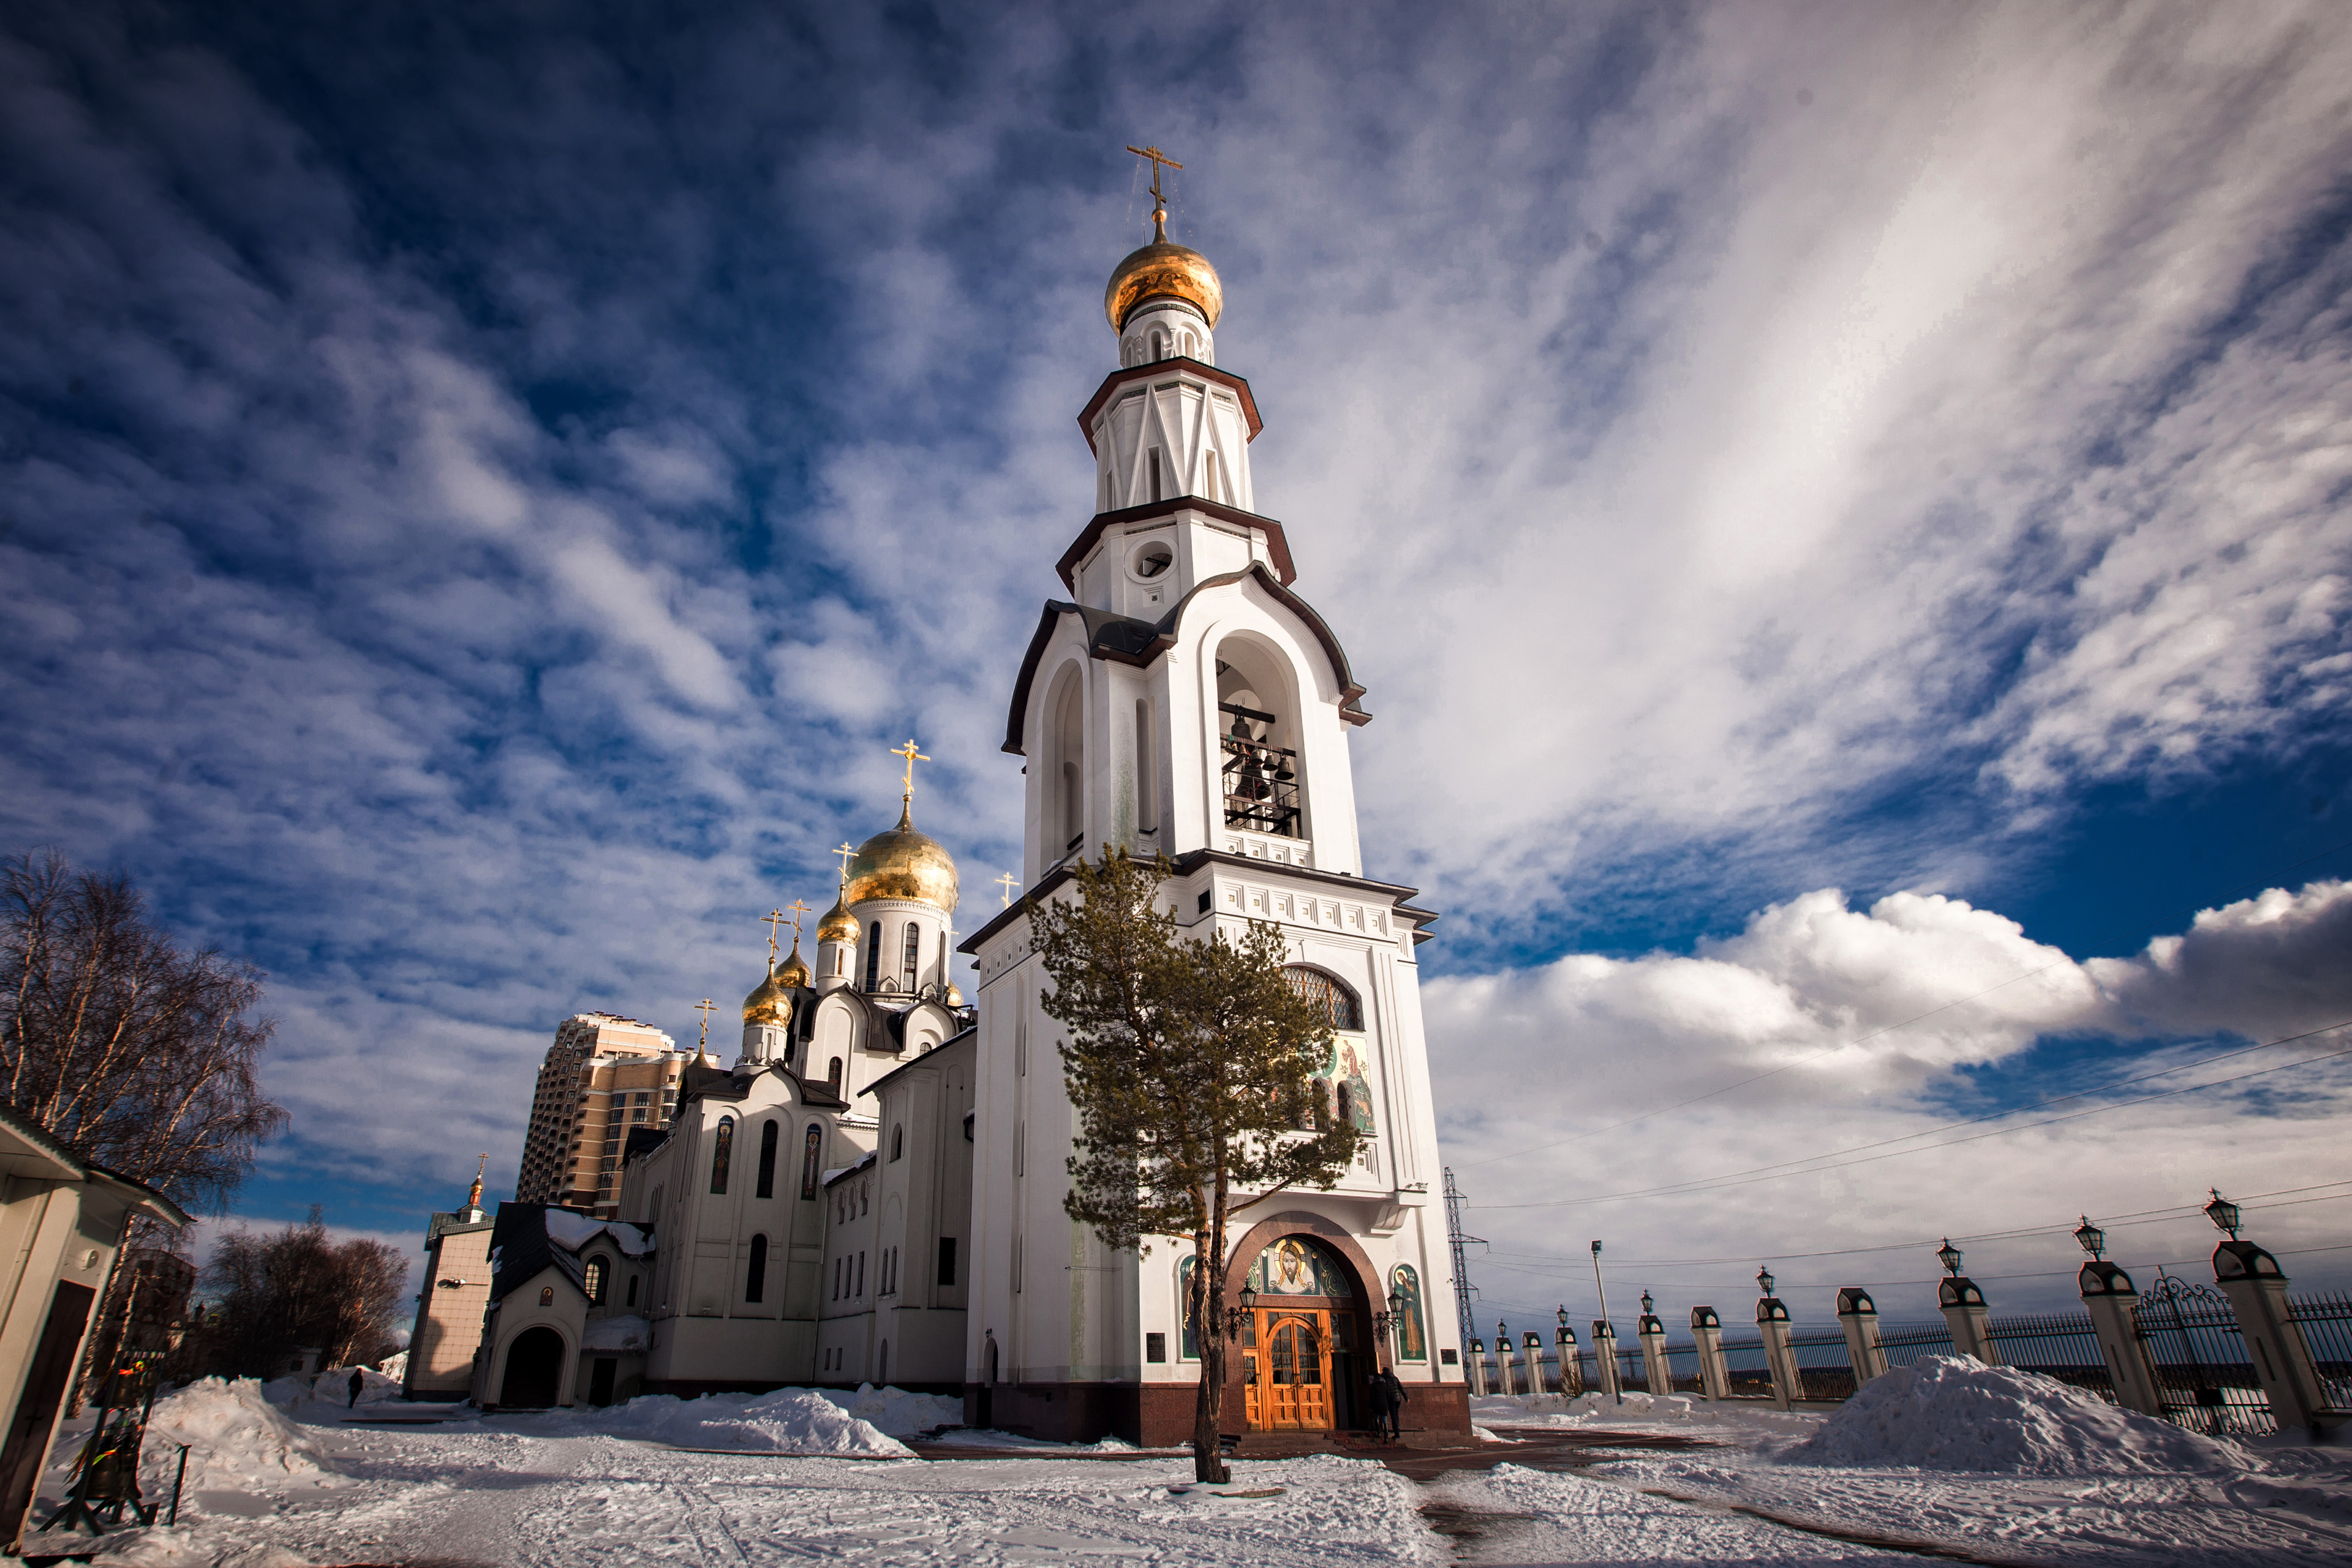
(2202, 1373)
(2065, 1346)
(1823, 1368)
(1747, 1370)
(2326, 1322)
(1905, 1343)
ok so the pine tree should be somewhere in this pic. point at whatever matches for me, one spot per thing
(1190, 1066)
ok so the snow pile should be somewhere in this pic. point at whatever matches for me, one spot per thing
(897, 1411)
(335, 1387)
(394, 1366)
(620, 1334)
(235, 1439)
(1553, 1410)
(285, 1392)
(1952, 1413)
(788, 1421)
(575, 1231)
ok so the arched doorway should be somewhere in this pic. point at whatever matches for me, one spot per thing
(1306, 1345)
(534, 1370)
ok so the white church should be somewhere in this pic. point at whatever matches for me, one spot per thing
(873, 1193)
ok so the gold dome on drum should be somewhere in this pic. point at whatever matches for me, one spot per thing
(794, 973)
(902, 864)
(770, 1003)
(1162, 270)
(837, 926)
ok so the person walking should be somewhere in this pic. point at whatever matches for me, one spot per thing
(359, 1382)
(1392, 1400)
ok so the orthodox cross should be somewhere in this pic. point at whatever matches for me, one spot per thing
(1158, 160)
(912, 756)
(799, 907)
(1008, 884)
(702, 1046)
(844, 852)
(772, 919)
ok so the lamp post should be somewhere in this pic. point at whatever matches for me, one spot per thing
(1234, 1320)
(1764, 1281)
(2222, 1212)
(1949, 1257)
(1646, 1305)
(1392, 1322)
(2091, 1238)
(1603, 1291)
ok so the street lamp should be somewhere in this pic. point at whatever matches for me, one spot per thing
(1646, 1305)
(1234, 1320)
(2092, 1238)
(1949, 1257)
(1764, 1280)
(1563, 1314)
(2222, 1212)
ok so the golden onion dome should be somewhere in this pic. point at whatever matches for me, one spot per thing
(837, 926)
(794, 973)
(770, 1001)
(955, 997)
(901, 864)
(1162, 270)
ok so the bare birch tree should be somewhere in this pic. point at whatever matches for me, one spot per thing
(1191, 1066)
(137, 1056)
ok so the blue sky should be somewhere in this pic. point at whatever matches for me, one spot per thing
(1841, 511)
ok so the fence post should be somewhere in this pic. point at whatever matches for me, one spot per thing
(1532, 1353)
(1779, 1355)
(2111, 1299)
(1505, 1383)
(2257, 1291)
(1858, 1316)
(1571, 1372)
(1604, 1358)
(1963, 1306)
(1714, 1376)
(1654, 1354)
(1477, 1354)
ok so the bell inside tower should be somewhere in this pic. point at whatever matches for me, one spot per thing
(1255, 738)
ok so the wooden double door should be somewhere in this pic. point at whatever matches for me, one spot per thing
(1292, 1361)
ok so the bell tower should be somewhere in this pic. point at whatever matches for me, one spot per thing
(1185, 702)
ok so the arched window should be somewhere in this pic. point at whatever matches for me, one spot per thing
(898, 1142)
(1062, 809)
(912, 964)
(873, 955)
(1216, 480)
(769, 1134)
(633, 1290)
(810, 1149)
(1333, 1000)
(833, 1074)
(882, 1364)
(755, 1272)
(1159, 352)
(592, 1281)
(722, 1147)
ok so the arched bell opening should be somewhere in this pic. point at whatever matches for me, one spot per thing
(1063, 802)
(1259, 770)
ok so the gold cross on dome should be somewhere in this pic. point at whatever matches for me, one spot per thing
(1008, 884)
(846, 852)
(1158, 160)
(799, 907)
(708, 1006)
(912, 756)
(772, 919)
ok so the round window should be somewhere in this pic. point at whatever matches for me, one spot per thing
(1154, 559)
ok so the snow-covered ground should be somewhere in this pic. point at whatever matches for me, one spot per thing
(2002, 1465)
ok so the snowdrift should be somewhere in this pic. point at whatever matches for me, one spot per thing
(1952, 1413)
(788, 1421)
(236, 1439)
(897, 1411)
(335, 1387)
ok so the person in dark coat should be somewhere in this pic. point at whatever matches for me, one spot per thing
(359, 1382)
(1395, 1401)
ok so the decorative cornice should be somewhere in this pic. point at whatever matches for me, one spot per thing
(1119, 378)
(1276, 545)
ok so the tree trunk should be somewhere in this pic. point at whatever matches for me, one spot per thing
(1209, 1319)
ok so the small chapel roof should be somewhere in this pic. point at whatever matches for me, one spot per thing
(968, 1032)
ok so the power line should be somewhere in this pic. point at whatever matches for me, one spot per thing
(1875, 1034)
(1770, 1173)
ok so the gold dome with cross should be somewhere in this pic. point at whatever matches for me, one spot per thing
(1162, 270)
(904, 862)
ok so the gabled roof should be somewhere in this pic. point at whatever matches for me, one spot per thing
(1131, 641)
(518, 1240)
(30, 1150)
(970, 1032)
